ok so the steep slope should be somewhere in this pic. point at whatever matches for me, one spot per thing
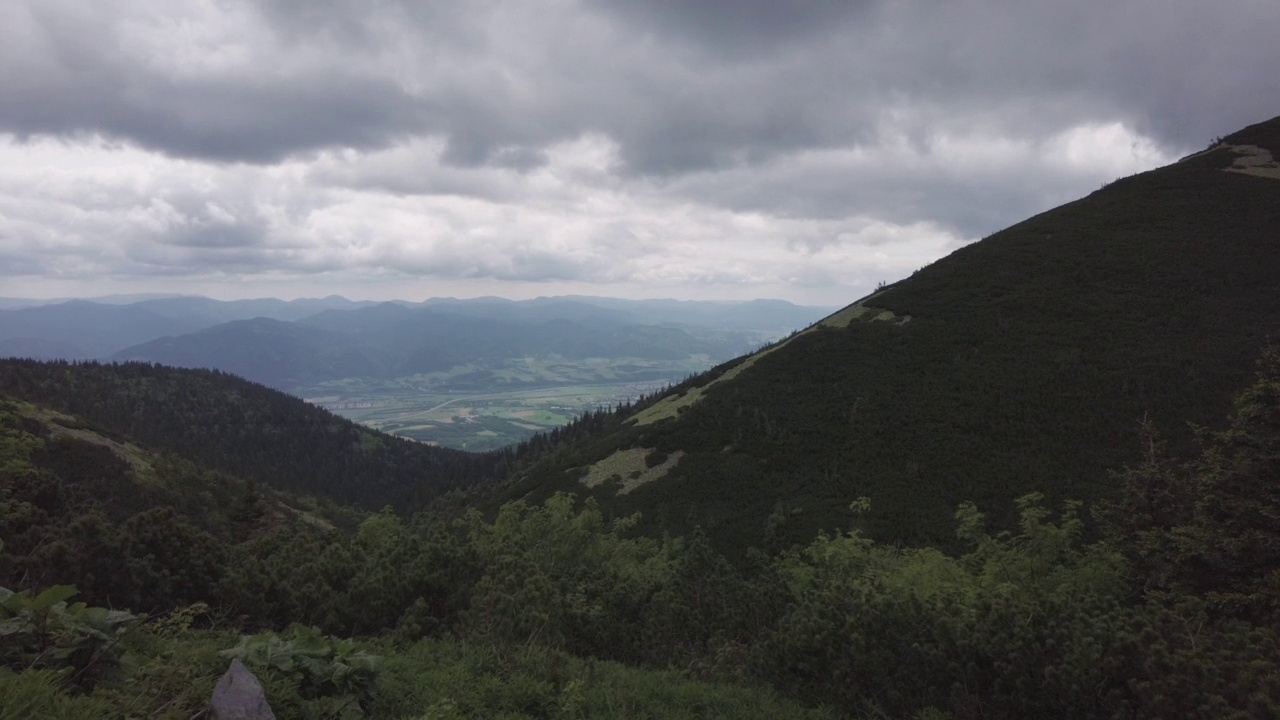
(248, 431)
(1023, 362)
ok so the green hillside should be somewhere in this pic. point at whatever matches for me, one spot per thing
(128, 526)
(89, 514)
(553, 611)
(250, 431)
(1024, 362)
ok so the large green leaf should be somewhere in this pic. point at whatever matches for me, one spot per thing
(52, 596)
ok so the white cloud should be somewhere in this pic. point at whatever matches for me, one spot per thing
(732, 149)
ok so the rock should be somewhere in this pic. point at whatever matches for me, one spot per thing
(239, 696)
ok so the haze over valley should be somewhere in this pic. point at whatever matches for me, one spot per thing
(472, 374)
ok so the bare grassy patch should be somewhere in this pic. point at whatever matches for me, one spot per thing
(1255, 161)
(629, 468)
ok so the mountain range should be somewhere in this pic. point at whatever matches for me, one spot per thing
(288, 343)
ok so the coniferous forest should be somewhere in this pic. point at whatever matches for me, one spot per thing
(554, 610)
(1034, 480)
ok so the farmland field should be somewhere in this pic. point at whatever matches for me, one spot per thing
(480, 408)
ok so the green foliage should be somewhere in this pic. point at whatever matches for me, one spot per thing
(130, 529)
(655, 458)
(899, 631)
(335, 676)
(549, 572)
(440, 680)
(40, 695)
(42, 631)
(1210, 526)
(384, 576)
(171, 672)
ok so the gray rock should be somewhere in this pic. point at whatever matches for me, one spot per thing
(239, 696)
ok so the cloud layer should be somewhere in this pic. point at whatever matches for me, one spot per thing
(732, 149)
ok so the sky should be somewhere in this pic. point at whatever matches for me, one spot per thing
(378, 149)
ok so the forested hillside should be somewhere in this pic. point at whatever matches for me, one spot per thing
(552, 610)
(250, 431)
(129, 527)
(1024, 362)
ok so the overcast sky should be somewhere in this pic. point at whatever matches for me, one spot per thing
(802, 149)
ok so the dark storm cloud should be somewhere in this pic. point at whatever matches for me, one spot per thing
(379, 134)
(1179, 71)
(789, 75)
(738, 27)
(218, 237)
(72, 72)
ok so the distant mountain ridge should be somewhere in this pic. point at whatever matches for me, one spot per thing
(83, 329)
(1024, 362)
(391, 340)
(283, 343)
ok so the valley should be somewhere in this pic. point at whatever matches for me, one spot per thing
(479, 409)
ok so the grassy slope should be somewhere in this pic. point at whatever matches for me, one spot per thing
(1028, 362)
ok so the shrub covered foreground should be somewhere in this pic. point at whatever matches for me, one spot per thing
(554, 610)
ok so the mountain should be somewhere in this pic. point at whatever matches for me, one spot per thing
(272, 352)
(98, 328)
(212, 312)
(78, 329)
(248, 431)
(431, 340)
(1024, 362)
(428, 335)
(395, 340)
(773, 318)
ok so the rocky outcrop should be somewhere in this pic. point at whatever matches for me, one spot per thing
(239, 696)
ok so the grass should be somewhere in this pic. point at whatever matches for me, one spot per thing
(172, 672)
(629, 469)
(436, 679)
(38, 695)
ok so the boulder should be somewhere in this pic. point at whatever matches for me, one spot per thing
(239, 696)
